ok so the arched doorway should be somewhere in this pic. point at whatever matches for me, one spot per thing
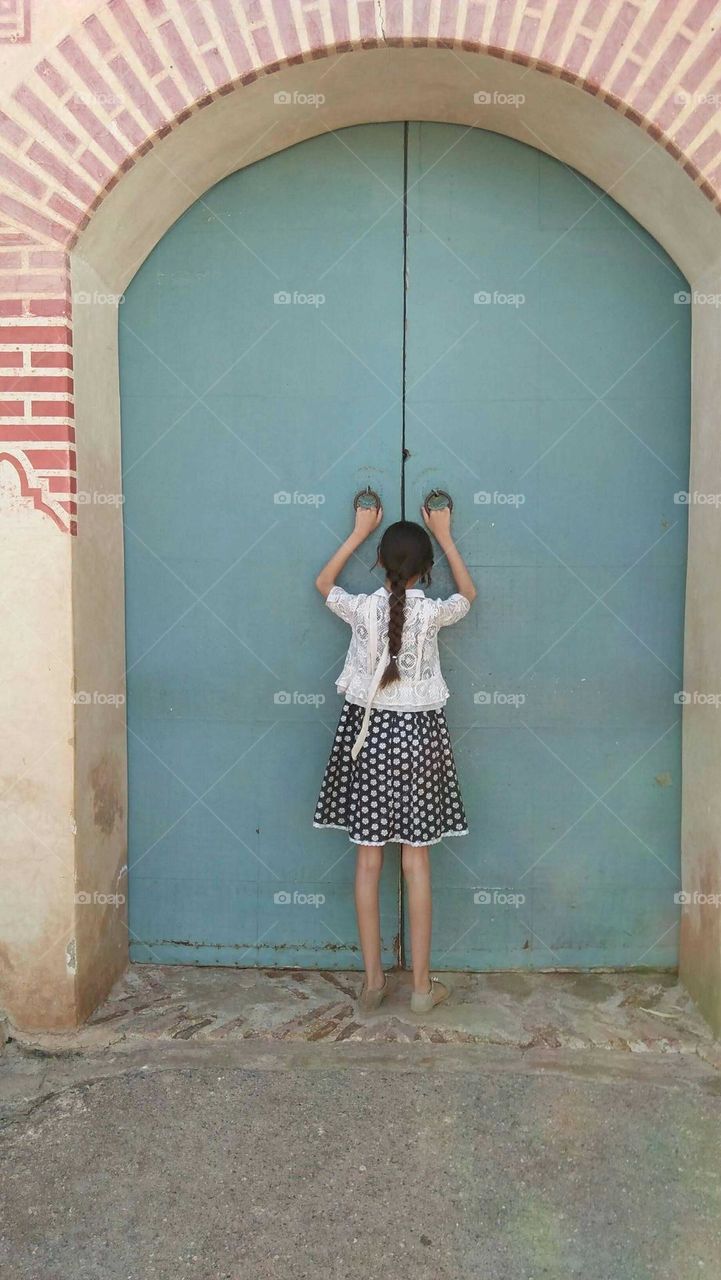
(542, 376)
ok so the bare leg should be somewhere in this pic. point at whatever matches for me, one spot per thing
(417, 872)
(369, 864)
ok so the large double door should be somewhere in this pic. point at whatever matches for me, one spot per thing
(406, 306)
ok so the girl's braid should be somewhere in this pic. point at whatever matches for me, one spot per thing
(396, 617)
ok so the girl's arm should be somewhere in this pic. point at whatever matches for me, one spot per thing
(439, 523)
(367, 520)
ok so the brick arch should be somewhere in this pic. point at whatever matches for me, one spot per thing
(127, 75)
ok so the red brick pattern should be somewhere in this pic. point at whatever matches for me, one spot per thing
(134, 70)
(37, 433)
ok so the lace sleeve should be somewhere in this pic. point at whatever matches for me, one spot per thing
(451, 610)
(343, 604)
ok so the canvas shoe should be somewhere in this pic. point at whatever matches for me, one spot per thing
(423, 1003)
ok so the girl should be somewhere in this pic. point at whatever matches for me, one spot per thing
(391, 774)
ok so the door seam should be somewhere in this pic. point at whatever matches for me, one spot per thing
(401, 950)
(405, 318)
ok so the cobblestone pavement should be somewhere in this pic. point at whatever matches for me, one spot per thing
(637, 1013)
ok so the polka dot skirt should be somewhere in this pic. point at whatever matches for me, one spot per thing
(403, 787)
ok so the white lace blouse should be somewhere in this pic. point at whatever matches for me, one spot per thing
(421, 686)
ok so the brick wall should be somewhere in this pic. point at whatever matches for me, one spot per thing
(36, 383)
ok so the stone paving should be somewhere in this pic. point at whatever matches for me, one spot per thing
(628, 1012)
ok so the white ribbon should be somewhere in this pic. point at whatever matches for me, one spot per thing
(375, 682)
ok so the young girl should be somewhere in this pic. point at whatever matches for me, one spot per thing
(391, 775)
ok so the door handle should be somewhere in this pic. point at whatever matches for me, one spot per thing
(367, 498)
(438, 500)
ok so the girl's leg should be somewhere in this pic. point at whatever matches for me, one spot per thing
(369, 864)
(417, 872)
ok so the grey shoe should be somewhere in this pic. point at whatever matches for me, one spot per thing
(369, 1001)
(421, 1003)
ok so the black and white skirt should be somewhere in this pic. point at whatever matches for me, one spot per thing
(402, 787)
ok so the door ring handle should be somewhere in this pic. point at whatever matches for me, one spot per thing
(438, 500)
(367, 498)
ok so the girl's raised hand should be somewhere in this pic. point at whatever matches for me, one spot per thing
(367, 520)
(439, 523)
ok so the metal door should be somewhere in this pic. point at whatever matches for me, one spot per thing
(547, 388)
(536, 365)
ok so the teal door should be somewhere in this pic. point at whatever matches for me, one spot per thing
(249, 421)
(547, 388)
(540, 376)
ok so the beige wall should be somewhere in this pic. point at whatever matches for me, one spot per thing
(700, 944)
(63, 917)
(99, 650)
(38, 955)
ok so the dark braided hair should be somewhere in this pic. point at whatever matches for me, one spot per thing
(405, 551)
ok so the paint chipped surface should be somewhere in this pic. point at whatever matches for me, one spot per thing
(106, 787)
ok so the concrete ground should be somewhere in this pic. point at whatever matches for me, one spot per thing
(547, 1135)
